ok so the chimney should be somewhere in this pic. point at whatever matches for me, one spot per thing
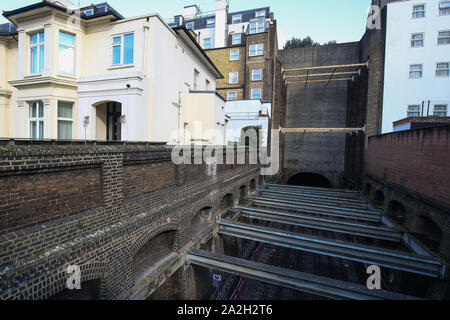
(64, 3)
(191, 11)
(221, 33)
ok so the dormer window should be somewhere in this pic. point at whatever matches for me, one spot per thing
(89, 12)
(237, 19)
(190, 26)
(211, 23)
(260, 13)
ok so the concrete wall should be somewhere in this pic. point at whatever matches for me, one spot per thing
(99, 208)
(317, 106)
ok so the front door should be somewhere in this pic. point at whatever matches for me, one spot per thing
(113, 124)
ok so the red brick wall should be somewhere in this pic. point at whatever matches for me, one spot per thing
(418, 160)
(147, 177)
(35, 198)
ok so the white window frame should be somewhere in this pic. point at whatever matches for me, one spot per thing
(236, 17)
(417, 40)
(209, 24)
(424, 10)
(253, 93)
(443, 37)
(65, 119)
(259, 15)
(421, 70)
(36, 119)
(257, 26)
(257, 48)
(234, 57)
(442, 113)
(190, 23)
(70, 46)
(122, 48)
(442, 69)
(233, 39)
(90, 11)
(409, 110)
(230, 77)
(37, 45)
(446, 8)
(204, 44)
(232, 92)
(253, 75)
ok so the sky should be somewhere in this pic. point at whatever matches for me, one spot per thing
(323, 20)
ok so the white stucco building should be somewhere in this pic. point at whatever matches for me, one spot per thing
(416, 80)
(100, 76)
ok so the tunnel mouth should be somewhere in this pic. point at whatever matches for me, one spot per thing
(309, 179)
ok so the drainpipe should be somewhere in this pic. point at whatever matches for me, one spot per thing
(144, 58)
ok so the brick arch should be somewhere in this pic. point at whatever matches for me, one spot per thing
(198, 207)
(94, 270)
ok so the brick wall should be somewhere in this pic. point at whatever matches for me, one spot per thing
(114, 201)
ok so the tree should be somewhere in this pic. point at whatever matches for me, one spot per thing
(300, 43)
(330, 42)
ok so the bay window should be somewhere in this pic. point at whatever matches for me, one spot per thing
(36, 120)
(65, 120)
(37, 52)
(66, 53)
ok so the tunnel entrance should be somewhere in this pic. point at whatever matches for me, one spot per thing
(201, 220)
(90, 290)
(429, 232)
(309, 179)
(243, 192)
(154, 253)
(397, 212)
(378, 198)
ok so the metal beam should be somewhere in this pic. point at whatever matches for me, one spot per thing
(319, 74)
(313, 284)
(363, 230)
(325, 67)
(426, 266)
(285, 186)
(330, 208)
(320, 130)
(296, 208)
(325, 80)
(317, 193)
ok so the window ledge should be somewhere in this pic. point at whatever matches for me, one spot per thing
(122, 66)
(67, 76)
(34, 75)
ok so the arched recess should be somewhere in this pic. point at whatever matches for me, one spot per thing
(253, 185)
(261, 181)
(226, 203)
(155, 251)
(368, 188)
(92, 275)
(201, 220)
(243, 192)
(428, 231)
(378, 198)
(107, 120)
(397, 211)
(309, 179)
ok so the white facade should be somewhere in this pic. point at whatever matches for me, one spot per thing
(412, 45)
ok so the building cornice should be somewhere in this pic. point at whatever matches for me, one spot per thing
(5, 93)
(43, 80)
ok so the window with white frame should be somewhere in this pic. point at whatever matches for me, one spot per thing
(256, 94)
(256, 49)
(444, 37)
(236, 19)
(415, 71)
(414, 110)
(257, 26)
(65, 120)
(207, 43)
(440, 110)
(418, 11)
(442, 69)
(417, 40)
(233, 77)
(37, 53)
(36, 120)
(234, 55)
(196, 78)
(236, 38)
(190, 25)
(123, 49)
(211, 23)
(260, 13)
(89, 12)
(444, 8)
(66, 55)
(256, 74)
(232, 95)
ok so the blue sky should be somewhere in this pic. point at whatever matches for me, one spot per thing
(323, 20)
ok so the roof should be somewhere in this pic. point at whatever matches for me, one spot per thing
(7, 29)
(100, 10)
(185, 31)
(429, 119)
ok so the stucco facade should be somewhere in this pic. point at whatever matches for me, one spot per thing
(143, 96)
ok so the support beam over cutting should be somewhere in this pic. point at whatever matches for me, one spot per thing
(316, 285)
(324, 67)
(426, 266)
